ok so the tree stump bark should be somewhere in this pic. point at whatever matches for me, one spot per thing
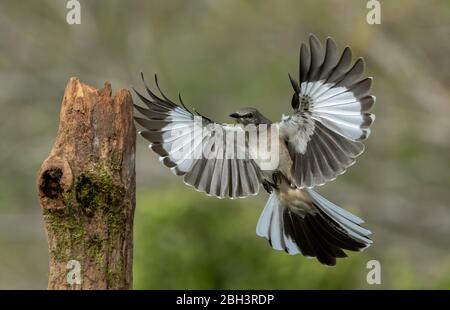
(87, 190)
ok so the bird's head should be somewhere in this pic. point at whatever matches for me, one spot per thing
(247, 116)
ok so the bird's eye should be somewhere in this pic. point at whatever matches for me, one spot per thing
(249, 115)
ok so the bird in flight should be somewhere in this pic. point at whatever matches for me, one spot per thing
(313, 145)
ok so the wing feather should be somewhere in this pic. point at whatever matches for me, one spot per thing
(324, 134)
(171, 131)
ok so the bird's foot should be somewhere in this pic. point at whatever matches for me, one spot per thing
(277, 178)
(268, 186)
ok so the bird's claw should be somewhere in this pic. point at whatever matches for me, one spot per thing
(267, 186)
(277, 178)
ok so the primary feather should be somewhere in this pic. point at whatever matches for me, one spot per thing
(331, 114)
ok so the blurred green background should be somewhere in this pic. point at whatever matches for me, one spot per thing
(223, 55)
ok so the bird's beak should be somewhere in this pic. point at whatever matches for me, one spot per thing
(235, 115)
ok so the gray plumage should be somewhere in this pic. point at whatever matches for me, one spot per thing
(217, 176)
(333, 108)
(317, 142)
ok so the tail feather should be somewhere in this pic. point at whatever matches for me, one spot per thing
(336, 236)
(323, 234)
(349, 222)
(295, 230)
(331, 207)
(270, 226)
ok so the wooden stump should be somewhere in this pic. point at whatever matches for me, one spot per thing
(87, 190)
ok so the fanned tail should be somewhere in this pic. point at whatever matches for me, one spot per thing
(323, 233)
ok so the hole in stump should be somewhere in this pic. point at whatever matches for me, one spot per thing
(50, 184)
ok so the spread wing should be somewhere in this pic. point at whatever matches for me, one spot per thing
(194, 147)
(331, 118)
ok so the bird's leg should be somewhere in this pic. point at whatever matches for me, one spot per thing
(277, 178)
(268, 186)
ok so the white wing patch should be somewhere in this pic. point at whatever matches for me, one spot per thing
(332, 113)
(297, 130)
(197, 152)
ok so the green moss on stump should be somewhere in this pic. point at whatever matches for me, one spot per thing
(116, 161)
(96, 191)
(93, 194)
(95, 247)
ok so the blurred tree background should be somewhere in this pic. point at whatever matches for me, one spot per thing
(223, 55)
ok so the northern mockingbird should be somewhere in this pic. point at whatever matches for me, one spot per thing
(315, 144)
